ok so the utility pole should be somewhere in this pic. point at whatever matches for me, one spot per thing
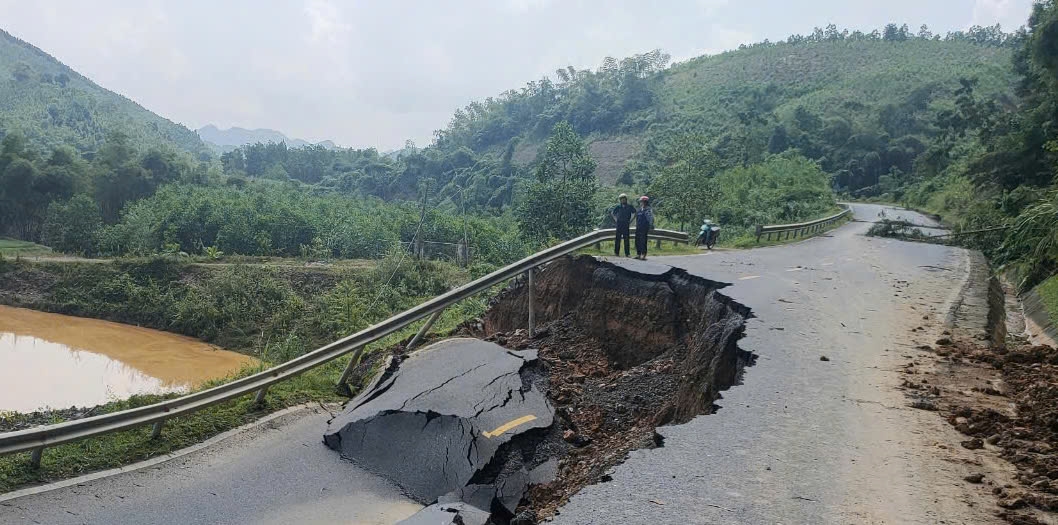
(465, 256)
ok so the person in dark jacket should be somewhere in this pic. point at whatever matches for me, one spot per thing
(644, 223)
(622, 215)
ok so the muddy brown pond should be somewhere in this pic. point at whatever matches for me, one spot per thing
(57, 361)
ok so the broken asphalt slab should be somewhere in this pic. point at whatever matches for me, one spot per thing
(448, 514)
(433, 422)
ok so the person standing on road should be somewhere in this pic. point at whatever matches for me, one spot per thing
(644, 223)
(622, 215)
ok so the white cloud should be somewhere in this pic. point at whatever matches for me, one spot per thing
(523, 6)
(991, 12)
(326, 24)
(710, 6)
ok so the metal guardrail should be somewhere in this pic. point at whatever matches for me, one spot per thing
(36, 439)
(800, 228)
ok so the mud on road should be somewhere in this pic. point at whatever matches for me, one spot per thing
(1005, 401)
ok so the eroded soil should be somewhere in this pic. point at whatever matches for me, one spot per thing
(1005, 402)
(603, 412)
(624, 354)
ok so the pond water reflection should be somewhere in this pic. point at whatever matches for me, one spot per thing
(58, 361)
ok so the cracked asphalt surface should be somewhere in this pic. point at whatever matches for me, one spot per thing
(804, 440)
(447, 409)
(801, 441)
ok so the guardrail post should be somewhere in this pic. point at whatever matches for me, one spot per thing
(422, 331)
(657, 244)
(156, 430)
(258, 400)
(760, 231)
(529, 296)
(34, 457)
(353, 360)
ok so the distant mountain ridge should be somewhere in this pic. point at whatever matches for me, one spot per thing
(227, 139)
(52, 105)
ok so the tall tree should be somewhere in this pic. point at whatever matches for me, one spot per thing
(684, 189)
(558, 203)
(565, 157)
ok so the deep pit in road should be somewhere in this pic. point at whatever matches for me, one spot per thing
(616, 354)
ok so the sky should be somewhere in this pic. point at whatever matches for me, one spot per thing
(375, 73)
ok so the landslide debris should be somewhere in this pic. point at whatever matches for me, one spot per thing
(616, 354)
(625, 353)
(1027, 435)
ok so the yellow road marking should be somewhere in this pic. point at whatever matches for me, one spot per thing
(509, 425)
(748, 277)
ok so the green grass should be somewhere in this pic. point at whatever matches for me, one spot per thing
(314, 296)
(123, 448)
(1048, 292)
(14, 248)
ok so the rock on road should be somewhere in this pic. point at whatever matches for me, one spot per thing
(800, 441)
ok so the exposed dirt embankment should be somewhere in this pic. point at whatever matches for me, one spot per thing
(1005, 400)
(625, 352)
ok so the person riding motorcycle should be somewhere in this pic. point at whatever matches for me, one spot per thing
(708, 234)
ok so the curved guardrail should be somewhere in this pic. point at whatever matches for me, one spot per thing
(800, 228)
(36, 439)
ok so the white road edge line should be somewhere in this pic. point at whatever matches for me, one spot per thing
(40, 489)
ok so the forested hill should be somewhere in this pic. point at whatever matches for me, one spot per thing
(229, 139)
(53, 105)
(836, 96)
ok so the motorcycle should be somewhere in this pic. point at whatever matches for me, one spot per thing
(708, 235)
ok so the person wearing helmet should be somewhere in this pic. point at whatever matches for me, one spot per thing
(644, 223)
(622, 215)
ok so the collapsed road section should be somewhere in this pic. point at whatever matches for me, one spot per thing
(500, 427)
(438, 418)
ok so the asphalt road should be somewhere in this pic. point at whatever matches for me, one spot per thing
(280, 472)
(277, 473)
(801, 441)
(804, 440)
(448, 409)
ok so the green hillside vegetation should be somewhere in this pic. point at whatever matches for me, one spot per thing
(763, 134)
(52, 105)
(861, 106)
(834, 95)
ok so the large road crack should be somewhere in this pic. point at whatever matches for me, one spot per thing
(438, 387)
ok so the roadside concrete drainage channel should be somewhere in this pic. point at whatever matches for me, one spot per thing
(495, 426)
